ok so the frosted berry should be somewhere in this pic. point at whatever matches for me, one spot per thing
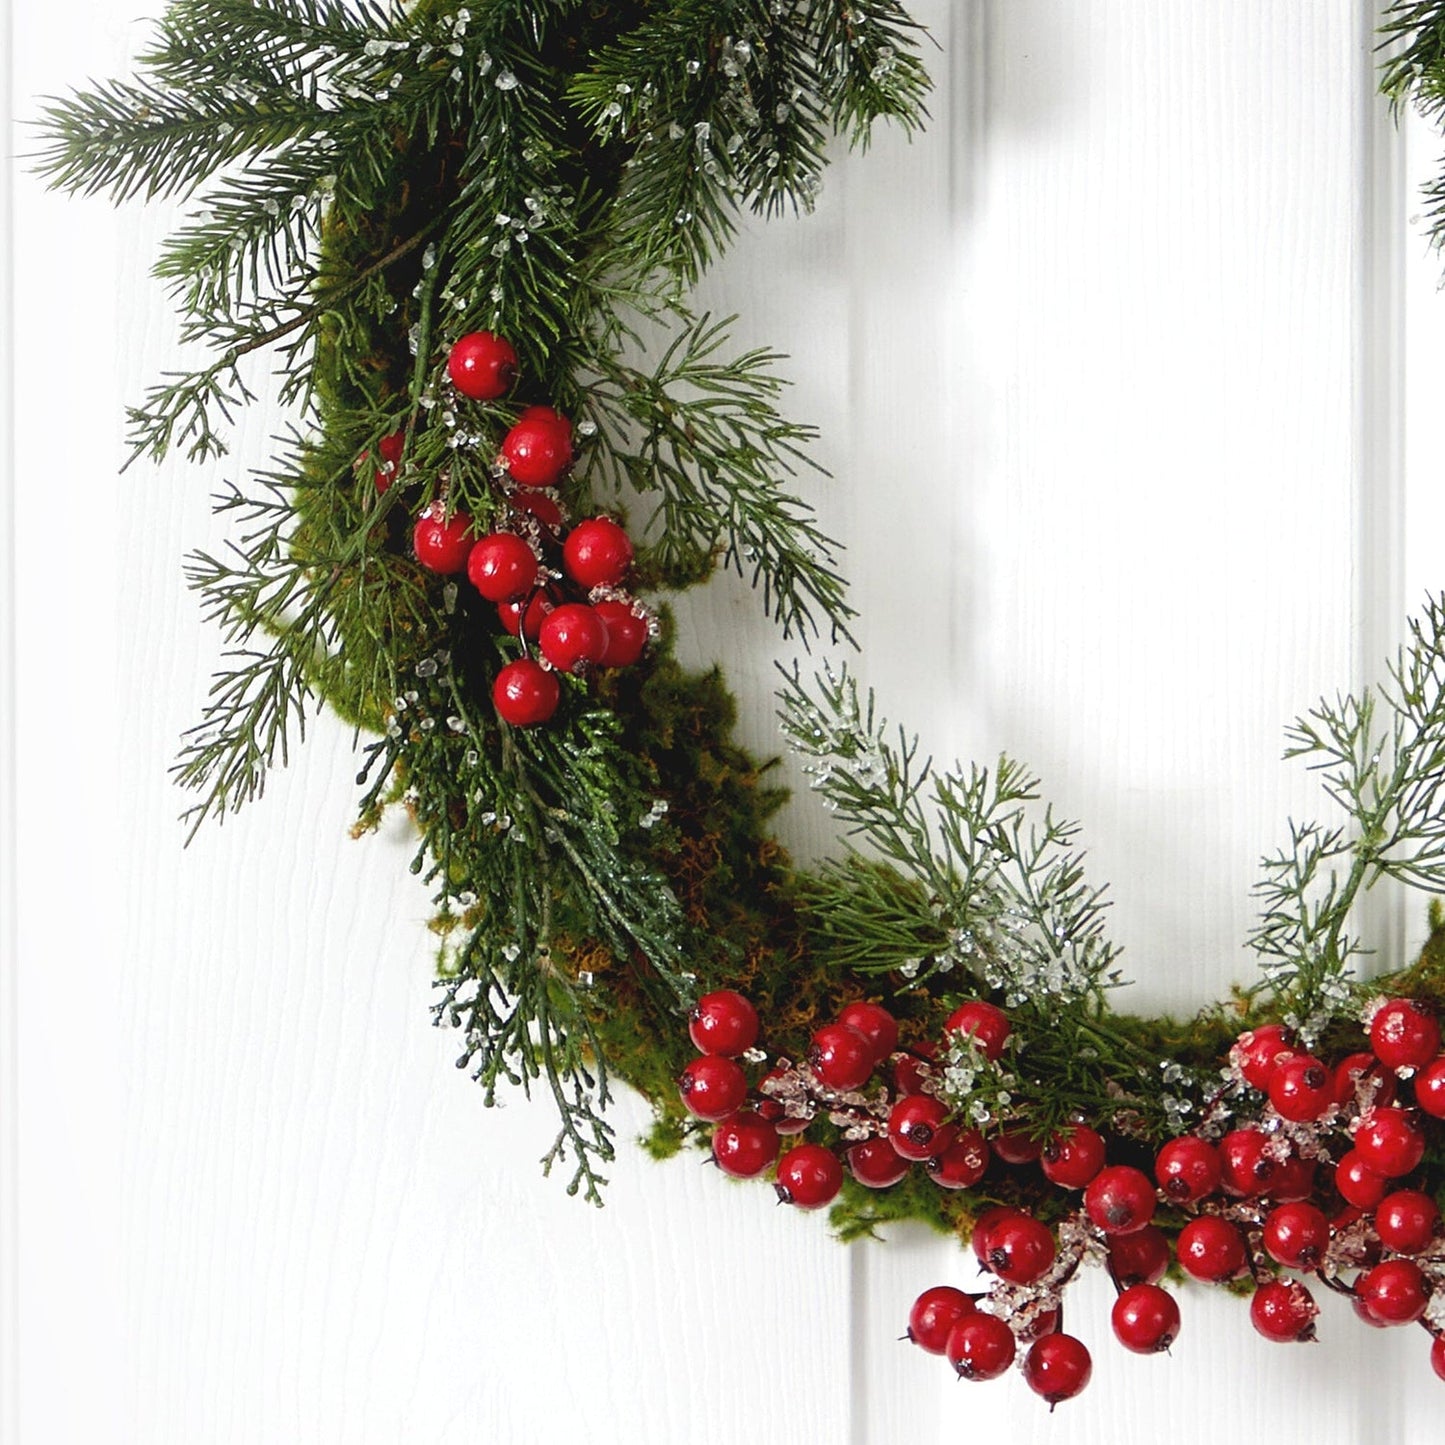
(525, 694)
(1057, 1367)
(597, 553)
(1357, 1183)
(1188, 1169)
(1296, 1235)
(934, 1314)
(876, 1025)
(1284, 1311)
(1404, 1034)
(502, 567)
(1390, 1141)
(723, 1023)
(1139, 1258)
(876, 1164)
(524, 616)
(1120, 1199)
(538, 449)
(918, 1127)
(910, 1074)
(442, 543)
(962, 1164)
(712, 1087)
(1257, 1052)
(1430, 1089)
(573, 637)
(1301, 1089)
(1406, 1221)
(390, 448)
(1247, 1168)
(841, 1057)
(1354, 1068)
(1145, 1319)
(988, 1027)
(773, 1110)
(744, 1145)
(1394, 1292)
(809, 1176)
(538, 504)
(627, 633)
(1020, 1249)
(1072, 1158)
(1210, 1249)
(482, 366)
(981, 1347)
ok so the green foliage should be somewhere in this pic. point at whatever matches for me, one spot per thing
(1413, 72)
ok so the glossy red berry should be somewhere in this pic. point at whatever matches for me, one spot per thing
(502, 567)
(986, 1025)
(934, 1314)
(724, 1023)
(1406, 1221)
(524, 617)
(442, 543)
(984, 1226)
(1301, 1089)
(1357, 1183)
(981, 1347)
(841, 1057)
(1394, 1292)
(1057, 1367)
(1430, 1089)
(1284, 1311)
(1404, 1034)
(918, 1127)
(597, 553)
(1188, 1169)
(1296, 1235)
(538, 449)
(910, 1074)
(1354, 1068)
(1016, 1146)
(525, 694)
(482, 366)
(573, 637)
(1257, 1052)
(1390, 1141)
(1139, 1258)
(962, 1164)
(1293, 1178)
(876, 1164)
(539, 505)
(1437, 1356)
(744, 1145)
(627, 633)
(1210, 1249)
(876, 1025)
(1247, 1169)
(390, 448)
(809, 1176)
(1071, 1158)
(712, 1088)
(1020, 1249)
(1145, 1319)
(1120, 1199)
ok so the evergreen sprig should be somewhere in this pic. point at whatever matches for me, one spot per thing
(1413, 72)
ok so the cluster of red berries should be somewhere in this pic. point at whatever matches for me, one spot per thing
(574, 614)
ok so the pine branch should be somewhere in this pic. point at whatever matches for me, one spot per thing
(1412, 71)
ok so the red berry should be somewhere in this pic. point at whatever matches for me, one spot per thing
(1301, 1089)
(1349, 1073)
(1437, 1356)
(442, 543)
(1071, 1159)
(1139, 1258)
(841, 1057)
(744, 1145)
(539, 505)
(1020, 1249)
(934, 1314)
(1057, 1367)
(1293, 1178)
(1357, 1183)
(876, 1164)
(1257, 1052)
(1284, 1311)
(876, 1025)
(775, 1112)
(597, 553)
(1296, 1235)
(1210, 1249)
(1390, 1141)
(809, 1176)
(525, 694)
(538, 449)
(525, 616)
(1394, 1292)
(986, 1025)
(1188, 1169)
(962, 1164)
(627, 633)
(981, 1347)
(1043, 1323)
(1430, 1089)
(573, 637)
(1146, 1319)
(482, 366)
(984, 1226)
(391, 449)
(1404, 1034)
(1120, 1199)
(1406, 1221)
(723, 1023)
(712, 1087)
(1247, 1169)
(910, 1074)
(917, 1127)
(1016, 1146)
(502, 567)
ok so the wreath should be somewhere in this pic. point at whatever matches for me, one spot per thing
(468, 235)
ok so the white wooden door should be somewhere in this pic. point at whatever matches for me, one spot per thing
(1129, 376)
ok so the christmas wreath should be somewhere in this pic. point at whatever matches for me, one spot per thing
(468, 234)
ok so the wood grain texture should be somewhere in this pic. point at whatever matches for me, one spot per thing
(1087, 361)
